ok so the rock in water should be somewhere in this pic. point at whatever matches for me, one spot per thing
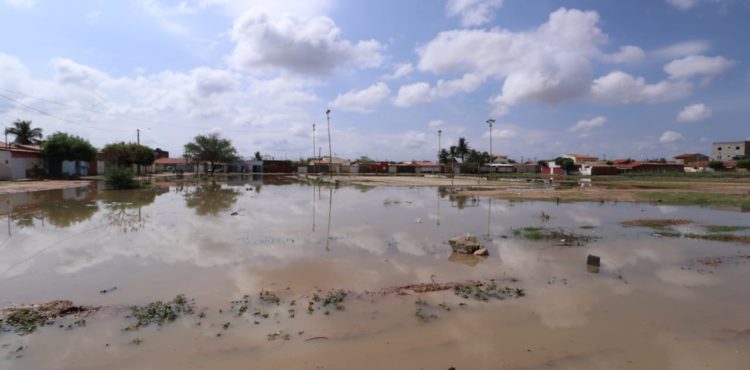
(481, 252)
(465, 244)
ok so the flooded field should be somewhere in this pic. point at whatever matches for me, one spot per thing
(285, 275)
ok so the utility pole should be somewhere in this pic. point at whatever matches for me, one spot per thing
(330, 151)
(440, 148)
(138, 133)
(315, 166)
(491, 122)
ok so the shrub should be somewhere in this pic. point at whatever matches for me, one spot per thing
(743, 163)
(120, 178)
(716, 165)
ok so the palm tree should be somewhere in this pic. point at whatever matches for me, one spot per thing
(24, 133)
(462, 149)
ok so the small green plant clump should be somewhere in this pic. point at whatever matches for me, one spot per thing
(656, 224)
(160, 313)
(424, 316)
(269, 297)
(24, 321)
(120, 178)
(486, 292)
(333, 298)
(725, 229)
(278, 334)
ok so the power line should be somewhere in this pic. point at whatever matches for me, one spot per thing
(30, 108)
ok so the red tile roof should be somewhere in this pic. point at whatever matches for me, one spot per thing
(687, 155)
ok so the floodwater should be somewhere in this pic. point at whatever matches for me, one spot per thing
(651, 306)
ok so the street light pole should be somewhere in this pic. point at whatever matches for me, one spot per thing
(440, 146)
(330, 151)
(491, 122)
(315, 167)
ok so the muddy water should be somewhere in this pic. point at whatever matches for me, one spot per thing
(650, 306)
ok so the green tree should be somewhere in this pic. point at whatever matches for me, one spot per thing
(743, 163)
(567, 164)
(212, 149)
(364, 160)
(127, 154)
(24, 134)
(61, 146)
(258, 157)
(445, 156)
(462, 148)
(716, 165)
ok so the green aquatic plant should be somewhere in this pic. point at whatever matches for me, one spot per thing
(486, 292)
(160, 313)
(724, 229)
(269, 297)
(24, 321)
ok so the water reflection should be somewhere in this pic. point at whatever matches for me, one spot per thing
(61, 208)
(210, 199)
(124, 207)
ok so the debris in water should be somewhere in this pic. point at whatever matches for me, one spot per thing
(465, 244)
(592, 263)
(110, 290)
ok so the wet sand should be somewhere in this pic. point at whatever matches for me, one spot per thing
(14, 187)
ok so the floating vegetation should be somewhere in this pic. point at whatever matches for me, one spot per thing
(391, 202)
(226, 325)
(336, 299)
(544, 217)
(724, 229)
(486, 292)
(137, 341)
(269, 297)
(656, 223)
(587, 227)
(278, 334)
(560, 236)
(423, 316)
(730, 238)
(26, 319)
(718, 261)
(160, 313)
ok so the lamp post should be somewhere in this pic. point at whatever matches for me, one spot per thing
(330, 151)
(490, 122)
(315, 167)
(440, 146)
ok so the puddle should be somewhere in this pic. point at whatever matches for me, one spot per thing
(651, 306)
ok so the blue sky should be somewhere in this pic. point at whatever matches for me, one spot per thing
(637, 79)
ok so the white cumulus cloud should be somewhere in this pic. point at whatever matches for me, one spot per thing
(626, 54)
(549, 64)
(621, 88)
(694, 113)
(670, 137)
(21, 4)
(311, 45)
(400, 70)
(683, 4)
(473, 12)
(584, 126)
(683, 49)
(363, 101)
(422, 92)
(698, 65)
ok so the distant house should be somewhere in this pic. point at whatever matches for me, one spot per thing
(688, 158)
(174, 164)
(580, 158)
(552, 168)
(654, 167)
(499, 164)
(321, 165)
(730, 150)
(19, 161)
(598, 170)
(528, 167)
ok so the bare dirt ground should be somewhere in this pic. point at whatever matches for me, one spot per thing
(29, 186)
(711, 191)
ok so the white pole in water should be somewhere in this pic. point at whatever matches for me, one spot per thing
(313, 156)
(491, 122)
(330, 151)
(440, 146)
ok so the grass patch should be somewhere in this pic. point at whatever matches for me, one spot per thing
(24, 321)
(655, 224)
(561, 236)
(730, 238)
(697, 198)
(724, 229)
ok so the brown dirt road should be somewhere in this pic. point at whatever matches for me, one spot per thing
(29, 186)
